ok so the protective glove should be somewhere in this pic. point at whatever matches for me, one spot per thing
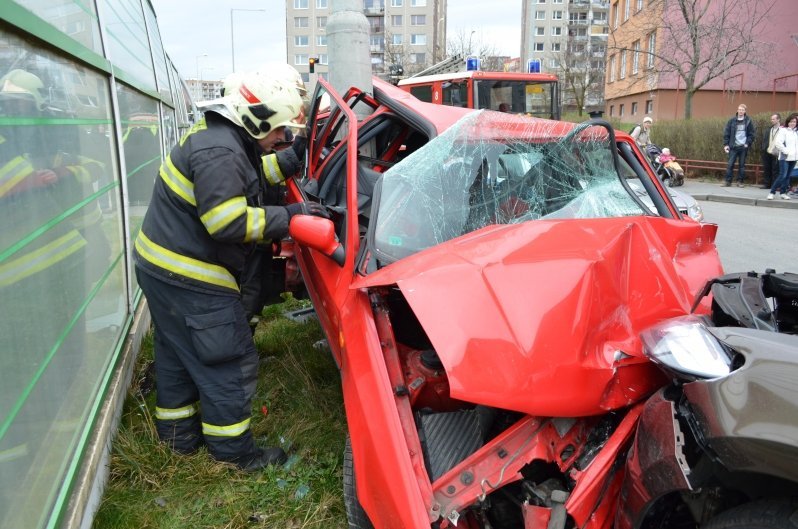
(299, 145)
(306, 208)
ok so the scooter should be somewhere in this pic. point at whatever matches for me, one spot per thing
(717, 448)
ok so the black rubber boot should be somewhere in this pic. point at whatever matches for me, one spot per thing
(263, 458)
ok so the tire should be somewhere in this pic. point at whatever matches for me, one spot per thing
(355, 515)
(763, 514)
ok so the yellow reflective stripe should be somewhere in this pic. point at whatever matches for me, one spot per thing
(184, 266)
(40, 259)
(172, 414)
(82, 174)
(13, 172)
(178, 183)
(233, 430)
(256, 223)
(221, 216)
(13, 453)
(271, 169)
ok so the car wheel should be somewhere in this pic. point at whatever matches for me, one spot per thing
(765, 514)
(357, 517)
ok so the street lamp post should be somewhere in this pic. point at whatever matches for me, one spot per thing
(232, 33)
(197, 60)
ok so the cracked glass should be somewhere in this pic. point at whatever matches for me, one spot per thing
(492, 168)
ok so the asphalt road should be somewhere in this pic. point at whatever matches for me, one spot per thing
(754, 238)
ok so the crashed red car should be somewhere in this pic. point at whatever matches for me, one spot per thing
(483, 283)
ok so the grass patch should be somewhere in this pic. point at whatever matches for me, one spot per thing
(298, 388)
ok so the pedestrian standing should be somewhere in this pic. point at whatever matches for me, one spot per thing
(770, 161)
(786, 144)
(204, 220)
(738, 135)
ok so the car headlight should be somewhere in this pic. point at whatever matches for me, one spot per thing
(695, 212)
(685, 346)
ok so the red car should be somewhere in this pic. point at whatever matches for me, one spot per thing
(482, 284)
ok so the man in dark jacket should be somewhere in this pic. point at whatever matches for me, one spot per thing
(205, 218)
(738, 135)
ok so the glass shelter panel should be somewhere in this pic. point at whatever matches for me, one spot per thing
(62, 271)
(128, 47)
(75, 18)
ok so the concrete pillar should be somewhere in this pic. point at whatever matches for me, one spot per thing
(348, 48)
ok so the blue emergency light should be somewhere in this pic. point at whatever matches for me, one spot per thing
(533, 66)
(472, 64)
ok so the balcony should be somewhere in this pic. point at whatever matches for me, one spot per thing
(374, 11)
(600, 5)
(583, 22)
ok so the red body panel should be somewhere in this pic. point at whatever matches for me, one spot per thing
(554, 314)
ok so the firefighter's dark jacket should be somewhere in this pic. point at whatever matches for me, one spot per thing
(206, 214)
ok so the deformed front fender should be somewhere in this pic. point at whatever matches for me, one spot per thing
(656, 464)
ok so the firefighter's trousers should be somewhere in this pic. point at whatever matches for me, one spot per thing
(206, 368)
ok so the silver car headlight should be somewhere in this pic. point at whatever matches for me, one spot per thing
(685, 346)
(695, 212)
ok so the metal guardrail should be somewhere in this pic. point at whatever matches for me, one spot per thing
(715, 166)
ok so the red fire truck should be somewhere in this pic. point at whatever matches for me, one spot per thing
(534, 94)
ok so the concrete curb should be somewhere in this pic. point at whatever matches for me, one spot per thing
(775, 203)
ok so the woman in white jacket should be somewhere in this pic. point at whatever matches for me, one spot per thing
(786, 145)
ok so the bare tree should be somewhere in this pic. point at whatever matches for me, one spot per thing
(469, 44)
(581, 76)
(401, 56)
(701, 40)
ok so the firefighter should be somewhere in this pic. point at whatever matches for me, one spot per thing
(204, 219)
(264, 277)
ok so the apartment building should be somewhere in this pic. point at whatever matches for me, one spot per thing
(639, 83)
(410, 34)
(567, 36)
(202, 90)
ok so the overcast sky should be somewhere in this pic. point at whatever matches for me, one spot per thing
(196, 33)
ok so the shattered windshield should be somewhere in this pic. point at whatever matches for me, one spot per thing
(494, 168)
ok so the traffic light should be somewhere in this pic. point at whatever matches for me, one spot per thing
(312, 64)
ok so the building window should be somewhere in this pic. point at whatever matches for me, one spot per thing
(556, 1)
(321, 4)
(650, 106)
(541, 1)
(652, 48)
(615, 15)
(612, 68)
(626, 10)
(555, 46)
(553, 64)
(300, 4)
(620, 110)
(556, 31)
(418, 20)
(323, 59)
(321, 40)
(418, 58)
(396, 3)
(639, 5)
(634, 108)
(301, 59)
(321, 22)
(636, 57)
(301, 41)
(540, 31)
(538, 46)
(300, 22)
(396, 39)
(556, 15)
(612, 110)
(396, 20)
(418, 3)
(540, 15)
(419, 39)
(622, 72)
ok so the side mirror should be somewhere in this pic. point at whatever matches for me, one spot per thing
(317, 233)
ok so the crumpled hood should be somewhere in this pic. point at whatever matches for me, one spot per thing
(543, 317)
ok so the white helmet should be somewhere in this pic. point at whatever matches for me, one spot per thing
(261, 104)
(287, 73)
